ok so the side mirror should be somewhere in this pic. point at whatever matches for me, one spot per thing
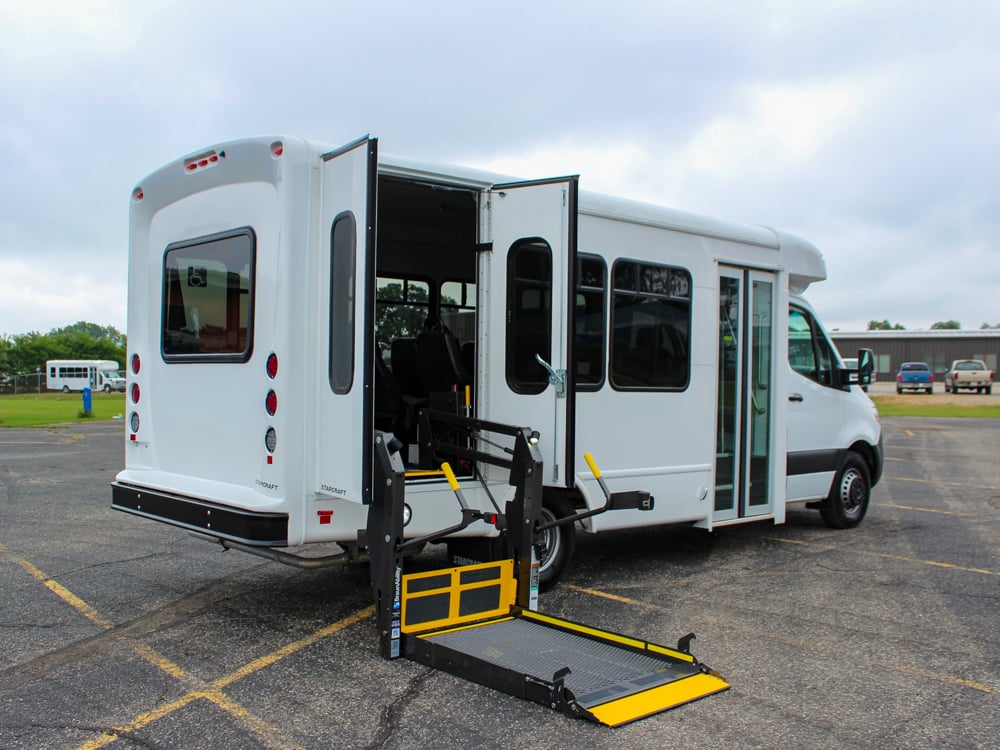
(866, 366)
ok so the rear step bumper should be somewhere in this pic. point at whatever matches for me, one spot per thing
(249, 527)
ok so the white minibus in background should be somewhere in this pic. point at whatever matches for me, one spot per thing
(288, 300)
(76, 374)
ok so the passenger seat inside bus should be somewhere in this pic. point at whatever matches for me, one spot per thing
(439, 359)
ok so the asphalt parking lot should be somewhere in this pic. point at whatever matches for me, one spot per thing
(124, 633)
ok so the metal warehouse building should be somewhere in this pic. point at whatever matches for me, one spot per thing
(937, 348)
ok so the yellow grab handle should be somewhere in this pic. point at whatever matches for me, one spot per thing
(446, 468)
(592, 464)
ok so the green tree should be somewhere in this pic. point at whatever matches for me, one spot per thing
(884, 325)
(398, 315)
(94, 331)
(946, 325)
(28, 352)
(986, 326)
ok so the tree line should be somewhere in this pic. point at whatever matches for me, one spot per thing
(941, 325)
(28, 352)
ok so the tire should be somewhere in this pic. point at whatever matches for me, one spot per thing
(555, 546)
(989, 390)
(65, 389)
(898, 390)
(107, 389)
(848, 500)
(930, 389)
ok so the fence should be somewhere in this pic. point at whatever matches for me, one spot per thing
(30, 382)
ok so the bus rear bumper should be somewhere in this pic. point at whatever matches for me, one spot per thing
(249, 527)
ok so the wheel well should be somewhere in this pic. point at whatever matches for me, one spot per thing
(870, 456)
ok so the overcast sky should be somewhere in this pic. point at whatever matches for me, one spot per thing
(870, 128)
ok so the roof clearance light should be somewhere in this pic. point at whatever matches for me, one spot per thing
(135, 393)
(202, 161)
(272, 365)
(137, 194)
(271, 402)
(277, 149)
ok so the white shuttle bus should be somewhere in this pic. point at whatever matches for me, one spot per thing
(288, 300)
(76, 374)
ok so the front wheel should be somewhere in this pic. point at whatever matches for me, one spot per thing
(847, 502)
(555, 545)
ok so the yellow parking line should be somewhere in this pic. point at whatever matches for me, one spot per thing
(259, 726)
(929, 510)
(949, 678)
(276, 656)
(61, 591)
(216, 696)
(602, 594)
(945, 484)
(885, 555)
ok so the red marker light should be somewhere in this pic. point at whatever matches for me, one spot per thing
(277, 149)
(325, 516)
(135, 393)
(271, 402)
(135, 364)
(272, 365)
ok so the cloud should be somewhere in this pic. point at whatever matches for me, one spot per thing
(866, 127)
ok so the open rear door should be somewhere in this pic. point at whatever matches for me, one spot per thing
(344, 364)
(531, 270)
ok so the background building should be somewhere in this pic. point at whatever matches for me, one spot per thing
(936, 348)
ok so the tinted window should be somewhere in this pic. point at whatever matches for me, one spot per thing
(809, 353)
(343, 243)
(208, 298)
(529, 315)
(650, 326)
(588, 345)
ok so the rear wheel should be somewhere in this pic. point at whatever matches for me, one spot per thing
(555, 545)
(848, 500)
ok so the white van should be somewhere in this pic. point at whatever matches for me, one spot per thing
(76, 374)
(287, 300)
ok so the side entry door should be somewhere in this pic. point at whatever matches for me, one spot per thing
(744, 463)
(528, 380)
(344, 364)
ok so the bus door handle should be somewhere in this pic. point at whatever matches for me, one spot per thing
(795, 397)
(556, 377)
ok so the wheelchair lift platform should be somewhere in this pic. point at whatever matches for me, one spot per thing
(477, 621)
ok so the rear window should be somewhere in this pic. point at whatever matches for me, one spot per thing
(208, 298)
(970, 366)
(911, 366)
